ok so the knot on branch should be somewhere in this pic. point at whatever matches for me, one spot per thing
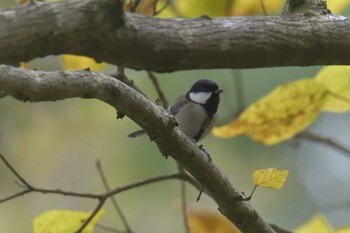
(311, 7)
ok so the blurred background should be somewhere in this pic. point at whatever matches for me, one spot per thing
(57, 144)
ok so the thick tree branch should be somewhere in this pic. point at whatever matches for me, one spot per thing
(91, 29)
(36, 86)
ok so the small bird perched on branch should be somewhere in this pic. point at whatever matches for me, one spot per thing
(196, 111)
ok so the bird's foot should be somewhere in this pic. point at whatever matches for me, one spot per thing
(205, 152)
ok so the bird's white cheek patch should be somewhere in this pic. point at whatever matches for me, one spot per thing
(200, 97)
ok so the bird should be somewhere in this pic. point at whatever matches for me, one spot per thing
(196, 111)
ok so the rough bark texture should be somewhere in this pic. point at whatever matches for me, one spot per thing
(37, 86)
(99, 29)
(164, 45)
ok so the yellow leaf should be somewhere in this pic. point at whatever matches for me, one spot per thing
(337, 6)
(337, 80)
(253, 7)
(72, 62)
(63, 221)
(342, 229)
(24, 65)
(206, 222)
(270, 178)
(281, 114)
(316, 224)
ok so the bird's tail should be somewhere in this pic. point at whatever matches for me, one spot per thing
(137, 133)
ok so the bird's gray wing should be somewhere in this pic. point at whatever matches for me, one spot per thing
(179, 103)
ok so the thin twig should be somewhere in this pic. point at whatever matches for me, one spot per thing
(251, 194)
(112, 192)
(200, 193)
(159, 91)
(101, 197)
(15, 195)
(184, 209)
(93, 214)
(263, 8)
(120, 75)
(174, 8)
(157, 12)
(148, 181)
(28, 188)
(24, 182)
(108, 228)
(237, 80)
(114, 202)
(345, 149)
(124, 79)
(228, 7)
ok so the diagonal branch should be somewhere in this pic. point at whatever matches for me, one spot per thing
(325, 141)
(114, 201)
(34, 86)
(100, 30)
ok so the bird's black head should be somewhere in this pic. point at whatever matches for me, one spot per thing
(206, 93)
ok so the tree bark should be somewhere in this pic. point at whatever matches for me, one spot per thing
(34, 86)
(100, 30)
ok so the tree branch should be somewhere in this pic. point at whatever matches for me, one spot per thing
(165, 45)
(114, 201)
(102, 198)
(326, 141)
(30, 85)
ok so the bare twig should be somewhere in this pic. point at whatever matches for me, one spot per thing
(93, 214)
(124, 79)
(228, 7)
(115, 204)
(101, 197)
(181, 170)
(157, 12)
(174, 9)
(237, 80)
(159, 91)
(326, 141)
(263, 8)
(200, 193)
(15, 195)
(251, 195)
(112, 192)
(24, 182)
(28, 188)
(108, 228)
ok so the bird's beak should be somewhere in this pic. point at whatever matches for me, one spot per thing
(218, 91)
